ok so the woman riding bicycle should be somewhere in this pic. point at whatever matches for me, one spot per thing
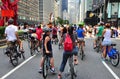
(107, 33)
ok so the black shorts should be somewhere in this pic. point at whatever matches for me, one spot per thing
(49, 55)
(54, 36)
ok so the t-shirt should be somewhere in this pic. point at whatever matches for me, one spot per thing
(54, 31)
(39, 33)
(80, 33)
(10, 31)
(100, 31)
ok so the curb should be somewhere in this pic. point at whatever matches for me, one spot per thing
(2, 42)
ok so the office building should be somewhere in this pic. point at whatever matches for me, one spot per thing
(28, 11)
(64, 5)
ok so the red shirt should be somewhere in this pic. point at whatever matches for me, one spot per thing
(55, 31)
(39, 32)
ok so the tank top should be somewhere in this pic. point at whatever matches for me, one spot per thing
(49, 45)
(107, 35)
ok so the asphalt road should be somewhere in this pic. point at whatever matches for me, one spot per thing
(92, 67)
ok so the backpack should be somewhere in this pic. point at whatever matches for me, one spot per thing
(68, 44)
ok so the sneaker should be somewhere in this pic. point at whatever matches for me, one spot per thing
(22, 50)
(59, 76)
(52, 70)
(40, 71)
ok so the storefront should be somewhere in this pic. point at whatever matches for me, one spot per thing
(113, 11)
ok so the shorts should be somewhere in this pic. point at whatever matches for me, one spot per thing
(99, 38)
(54, 36)
(11, 43)
(49, 55)
(106, 43)
(80, 39)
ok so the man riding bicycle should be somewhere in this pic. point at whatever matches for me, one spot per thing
(12, 35)
(47, 49)
(81, 35)
(99, 33)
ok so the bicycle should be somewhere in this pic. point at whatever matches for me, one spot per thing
(72, 71)
(113, 55)
(81, 49)
(33, 47)
(46, 66)
(98, 44)
(13, 54)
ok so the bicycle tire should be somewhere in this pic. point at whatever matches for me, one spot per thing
(32, 49)
(116, 57)
(81, 53)
(14, 58)
(45, 70)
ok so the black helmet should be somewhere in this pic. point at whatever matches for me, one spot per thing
(10, 21)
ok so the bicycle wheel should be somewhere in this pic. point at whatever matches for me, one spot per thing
(32, 49)
(115, 59)
(14, 58)
(81, 53)
(45, 69)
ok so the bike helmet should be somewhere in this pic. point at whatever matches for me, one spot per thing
(46, 29)
(81, 24)
(10, 21)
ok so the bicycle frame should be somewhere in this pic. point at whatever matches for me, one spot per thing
(112, 52)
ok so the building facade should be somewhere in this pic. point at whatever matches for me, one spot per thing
(48, 9)
(41, 10)
(113, 11)
(28, 11)
(64, 6)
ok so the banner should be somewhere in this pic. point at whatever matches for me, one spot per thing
(7, 13)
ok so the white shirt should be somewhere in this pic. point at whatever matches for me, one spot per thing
(10, 32)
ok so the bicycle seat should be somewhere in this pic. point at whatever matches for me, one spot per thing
(113, 44)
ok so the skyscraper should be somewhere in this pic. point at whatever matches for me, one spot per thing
(64, 6)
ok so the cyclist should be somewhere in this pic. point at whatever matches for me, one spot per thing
(99, 33)
(12, 35)
(107, 33)
(81, 35)
(39, 32)
(65, 53)
(47, 49)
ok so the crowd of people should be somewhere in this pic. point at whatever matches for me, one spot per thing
(46, 34)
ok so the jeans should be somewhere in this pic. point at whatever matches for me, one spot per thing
(66, 56)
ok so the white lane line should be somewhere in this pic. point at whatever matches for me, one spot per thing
(110, 70)
(13, 70)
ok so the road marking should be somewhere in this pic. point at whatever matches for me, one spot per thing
(110, 70)
(13, 70)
